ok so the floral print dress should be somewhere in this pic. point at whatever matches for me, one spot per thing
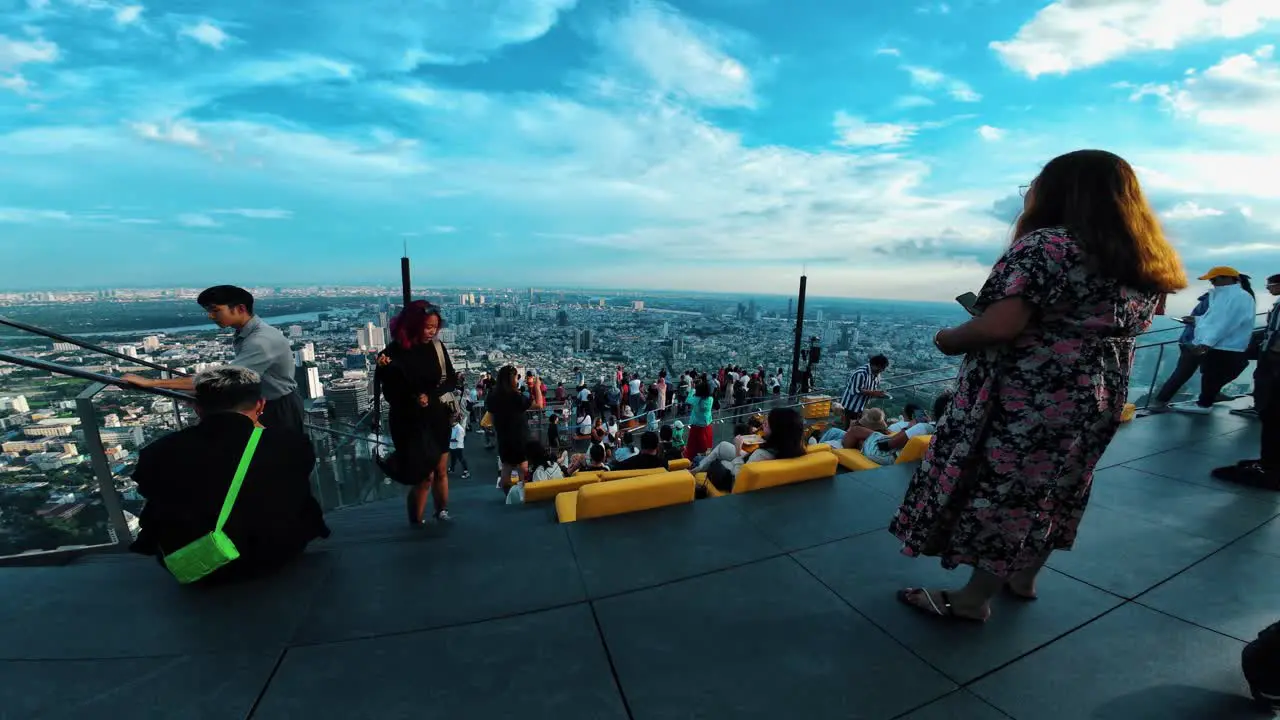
(1008, 474)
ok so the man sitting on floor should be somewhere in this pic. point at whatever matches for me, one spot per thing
(648, 457)
(185, 477)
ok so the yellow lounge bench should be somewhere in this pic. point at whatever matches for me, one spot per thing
(678, 464)
(819, 447)
(547, 489)
(776, 473)
(627, 495)
(913, 451)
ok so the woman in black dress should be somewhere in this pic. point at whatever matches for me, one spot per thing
(416, 374)
(509, 410)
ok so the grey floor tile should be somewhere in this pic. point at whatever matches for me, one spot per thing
(868, 570)
(1265, 539)
(642, 549)
(1133, 664)
(1127, 555)
(818, 511)
(542, 665)
(1191, 508)
(1236, 592)
(1125, 450)
(761, 641)
(398, 587)
(892, 480)
(959, 705)
(1195, 467)
(203, 687)
(133, 609)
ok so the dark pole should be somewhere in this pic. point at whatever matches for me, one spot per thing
(405, 284)
(795, 350)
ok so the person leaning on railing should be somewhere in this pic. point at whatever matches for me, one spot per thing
(1042, 390)
(700, 401)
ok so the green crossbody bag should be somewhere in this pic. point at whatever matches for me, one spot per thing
(210, 552)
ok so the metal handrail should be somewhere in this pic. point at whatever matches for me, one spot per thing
(56, 368)
(17, 325)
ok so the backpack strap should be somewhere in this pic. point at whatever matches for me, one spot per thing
(245, 459)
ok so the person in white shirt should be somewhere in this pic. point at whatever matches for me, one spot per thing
(584, 424)
(457, 440)
(1222, 335)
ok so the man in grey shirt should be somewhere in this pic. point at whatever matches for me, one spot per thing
(258, 346)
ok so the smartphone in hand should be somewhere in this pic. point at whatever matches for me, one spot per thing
(969, 301)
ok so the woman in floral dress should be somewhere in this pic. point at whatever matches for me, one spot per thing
(1045, 378)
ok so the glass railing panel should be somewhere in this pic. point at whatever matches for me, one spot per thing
(346, 471)
(49, 493)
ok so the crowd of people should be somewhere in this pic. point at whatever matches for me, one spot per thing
(1003, 485)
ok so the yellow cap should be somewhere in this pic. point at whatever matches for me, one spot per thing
(1220, 271)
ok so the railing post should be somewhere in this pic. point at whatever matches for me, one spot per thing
(1155, 375)
(117, 523)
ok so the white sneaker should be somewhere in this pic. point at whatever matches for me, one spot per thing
(1194, 409)
(444, 516)
(498, 484)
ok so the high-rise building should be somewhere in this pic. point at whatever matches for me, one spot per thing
(666, 329)
(637, 305)
(677, 347)
(151, 343)
(464, 299)
(791, 311)
(65, 347)
(370, 337)
(817, 316)
(16, 404)
(383, 320)
(295, 331)
(531, 295)
(562, 319)
(355, 360)
(130, 350)
(481, 300)
(308, 378)
(584, 340)
(349, 398)
(304, 354)
(601, 302)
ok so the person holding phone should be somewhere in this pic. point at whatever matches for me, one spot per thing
(1043, 385)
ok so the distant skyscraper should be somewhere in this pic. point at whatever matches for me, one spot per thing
(751, 310)
(349, 398)
(464, 299)
(601, 302)
(383, 320)
(130, 350)
(530, 295)
(304, 354)
(562, 319)
(481, 300)
(817, 316)
(355, 360)
(308, 379)
(666, 329)
(151, 343)
(370, 337)
(295, 331)
(791, 311)
(584, 340)
(637, 305)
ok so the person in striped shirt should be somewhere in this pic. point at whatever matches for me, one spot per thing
(863, 385)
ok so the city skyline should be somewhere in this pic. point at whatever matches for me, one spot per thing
(703, 145)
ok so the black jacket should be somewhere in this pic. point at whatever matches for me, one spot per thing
(412, 372)
(185, 477)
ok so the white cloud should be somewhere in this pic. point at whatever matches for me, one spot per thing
(197, 220)
(890, 51)
(678, 56)
(15, 53)
(444, 229)
(174, 133)
(1243, 249)
(1190, 210)
(28, 216)
(907, 102)
(854, 131)
(1241, 91)
(926, 77)
(206, 33)
(15, 83)
(295, 68)
(257, 213)
(991, 134)
(939, 8)
(128, 14)
(1070, 35)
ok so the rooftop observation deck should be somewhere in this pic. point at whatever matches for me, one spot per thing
(778, 603)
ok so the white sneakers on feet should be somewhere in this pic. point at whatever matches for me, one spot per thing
(1194, 409)
(444, 516)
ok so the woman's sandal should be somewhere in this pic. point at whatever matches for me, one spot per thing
(946, 611)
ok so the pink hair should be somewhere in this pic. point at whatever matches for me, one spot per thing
(407, 327)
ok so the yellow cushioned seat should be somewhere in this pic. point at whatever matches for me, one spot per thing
(627, 495)
(914, 450)
(547, 489)
(853, 460)
(566, 506)
(623, 474)
(678, 464)
(775, 473)
(819, 447)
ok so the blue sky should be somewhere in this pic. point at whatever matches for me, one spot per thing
(710, 144)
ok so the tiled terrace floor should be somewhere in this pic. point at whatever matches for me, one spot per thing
(776, 604)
